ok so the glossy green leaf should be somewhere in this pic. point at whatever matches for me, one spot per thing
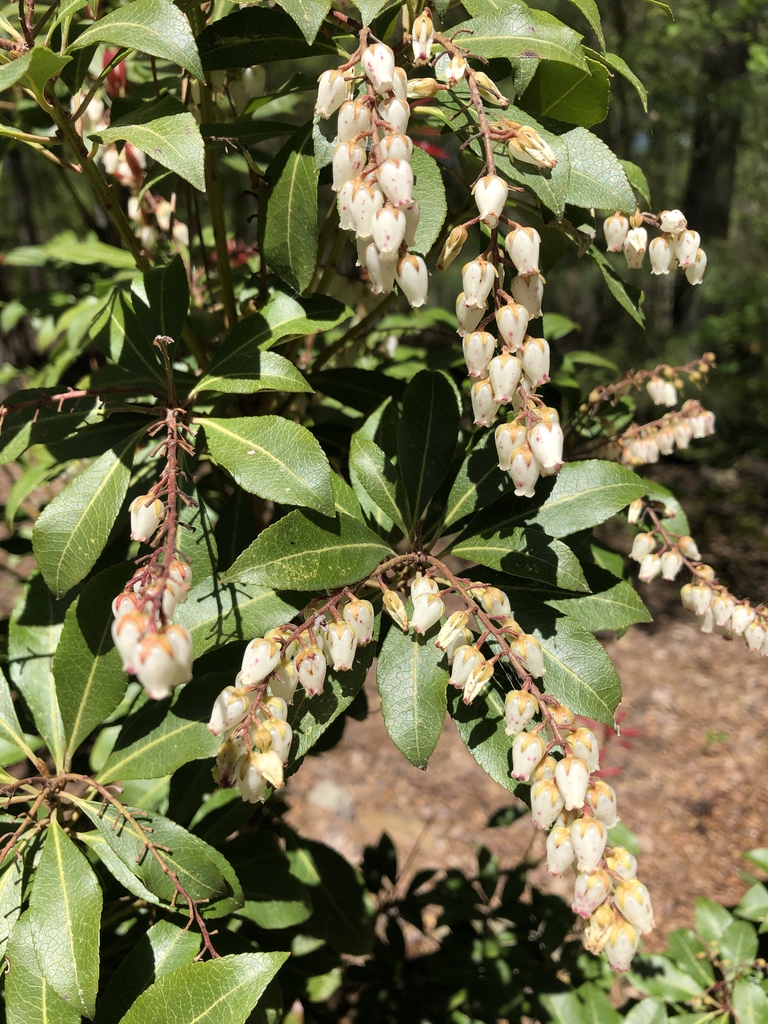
(66, 247)
(690, 956)
(613, 60)
(65, 915)
(428, 431)
(273, 457)
(90, 682)
(307, 551)
(31, 425)
(757, 857)
(521, 32)
(99, 846)
(345, 499)
(161, 300)
(527, 552)
(429, 193)
(28, 996)
(649, 1011)
(369, 9)
(155, 27)
(166, 131)
(11, 732)
(710, 920)
(222, 991)
(596, 177)
(628, 296)
(586, 494)
(164, 948)
(33, 69)
(596, 1007)
(738, 945)
(197, 542)
(481, 726)
(591, 12)
(753, 905)
(256, 35)
(563, 1007)
(360, 389)
(35, 628)
(216, 614)
(11, 896)
(289, 223)
(250, 370)
(570, 94)
(66, 9)
(118, 333)
(73, 529)
(478, 483)
(637, 179)
(412, 676)
(749, 1001)
(308, 15)
(613, 604)
(659, 977)
(378, 477)
(675, 518)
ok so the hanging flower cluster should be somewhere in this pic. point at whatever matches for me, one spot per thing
(642, 445)
(677, 245)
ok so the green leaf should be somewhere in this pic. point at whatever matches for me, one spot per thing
(575, 95)
(597, 1008)
(637, 179)
(478, 483)
(378, 477)
(522, 32)
(596, 179)
(254, 36)
(649, 1011)
(429, 193)
(222, 991)
(289, 221)
(677, 522)
(272, 457)
(307, 551)
(251, 370)
(753, 904)
(163, 735)
(96, 842)
(429, 428)
(66, 10)
(155, 27)
(10, 730)
(274, 898)
(749, 1001)
(35, 628)
(65, 914)
(563, 1007)
(90, 682)
(613, 60)
(216, 614)
(613, 604)
(345, 499)
(73, 529)
(28, 996)
(11, 896)
(33, 69)
(166, 131)
(659, 977)
(591, 12)
(118, 333)
(758, 857)
(359, 389)
(32, 425)
(481, 726)
(369, 9)
(690, 956)
(66, 247)
(197, 542)
(161, 300)
(628, 296)
(164, 948)
(710, 920)
(586, 494)
(738, 945)
(308, 15)
(412, 677)
(527, 552)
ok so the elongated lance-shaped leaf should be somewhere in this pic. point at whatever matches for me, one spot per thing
(255, 35)
(521, 32)
(118, 333)
(11, 896)
(28, 996)
(273, 457)
(222, 991)
(254, 370)
(528, 552)
(161, 295)
(65, 914)
(73, 528)
(33, 69)
(10, 730)
(412, 676)
(481, 726)
(378, 477)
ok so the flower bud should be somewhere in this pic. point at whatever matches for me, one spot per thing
(484, 405)
(560, 852)
(250, 781)
(508, 437)
(562, 716)
(260, 660)
(477, 279)
(490, 194)
(427, 610)
(284, 681)
(591, 889)
(635, 511)
(465, 660)
(706, 621)
(528, 147)
(643, 545)
(125, 603)
(529, 291)
(621, 862)
(454, 71)
(342, 644)
(227, 757)
(348, 161)
(661, 255)
(754, 635)
(388, 229)
(331, 93)
(512, 321)
(634, 903)
(462, 639)
(282, 736)
(452, 247)
(413, 279)
(722, 606)
(519, 708)
(367, 201)
(525, 469)
(476, 681)
(546, 441)
(379, 66)
(527, 750)
(396, 147)
(522, 247)
(589, 837)
(546, 803)
(536, 358)
(423, 37)
(635, 245)
(181, 642)
(489, 90)
(155, 665)
(181, 574)
(687, 247)
(344, 201)
(621, 945)
(572, 778)
(395, 609)
(689, 548)
(467, 317)
(585, 746)
(694, 272)
(545, 769)
(671, 564)
(598, 928)
(505, 371)
(528, 649)
(147, 513)
(615, 227)
(423, 88)
(396, 181)
(665, 440)
(672, 221)
(478, 347)
(493, 601)
(650, 567)
(396, 113)
(452, 627)
(311, 668)
(660, 393)
(229, 709)
(400, 84)
(601, 798)
(359, 615)
(127, 631)
(423, 585)
(354, 119)
(380, 271)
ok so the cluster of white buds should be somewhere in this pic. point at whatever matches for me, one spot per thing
(642, 445)
(272, 667)
(152, 647)
(372, 172)
(677, 245)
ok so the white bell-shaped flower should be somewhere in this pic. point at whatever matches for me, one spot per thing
(427, 610)
(620, 861)
(484, 405)
(508, 437)
(396, 181)
(331, 92)
(478, 348)
(452, 628)
(342, 644)
(396, 147)
(147, 513)
(125, 603)
(396, 113)
(468, 317)
(683, 433)
(722, 607)
(642, 545)
(127, 631)
(259, 660)
(462, 639)
(530, 148)
(665, 441)
(367, 200)
(395, 608)
(180, 573)
(589, 837)
(282, 737)
(585, 746)
(248, 86)
(523, 245)
(661, 255)
(380, 271)
(741, 616)
(590, 890)
(477, 278)
(413, 278)
(528, 649)
(621, 946)
(360, 616)
(650, 568)
(546, 768)
(422, 38)
(529, 292)
(512, 321)
(155, 666)
(536, 360)
(348, 161)
(701, 598)
(671, 564)
(454, 71)
(229, 709)
(672, 221)
(560, 854)
(546, 803)
(475, 684)
(181, 642)
(601, 798)
(694, 272)
(527, 750)
(388, 228)
(466, 659)
(311, 668)
(250, 781)
(519, 708)
(634, 903)
(572, 778)
(423, 585)
(615, 228)
(687, 247)
(490, 194)
(354, 120)
(412, 218)
(379, 66)
(505, 371)
(344, 201)
(546, 441)
(754, 635)
(635, 245)
(284, 681)
(525, 470)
